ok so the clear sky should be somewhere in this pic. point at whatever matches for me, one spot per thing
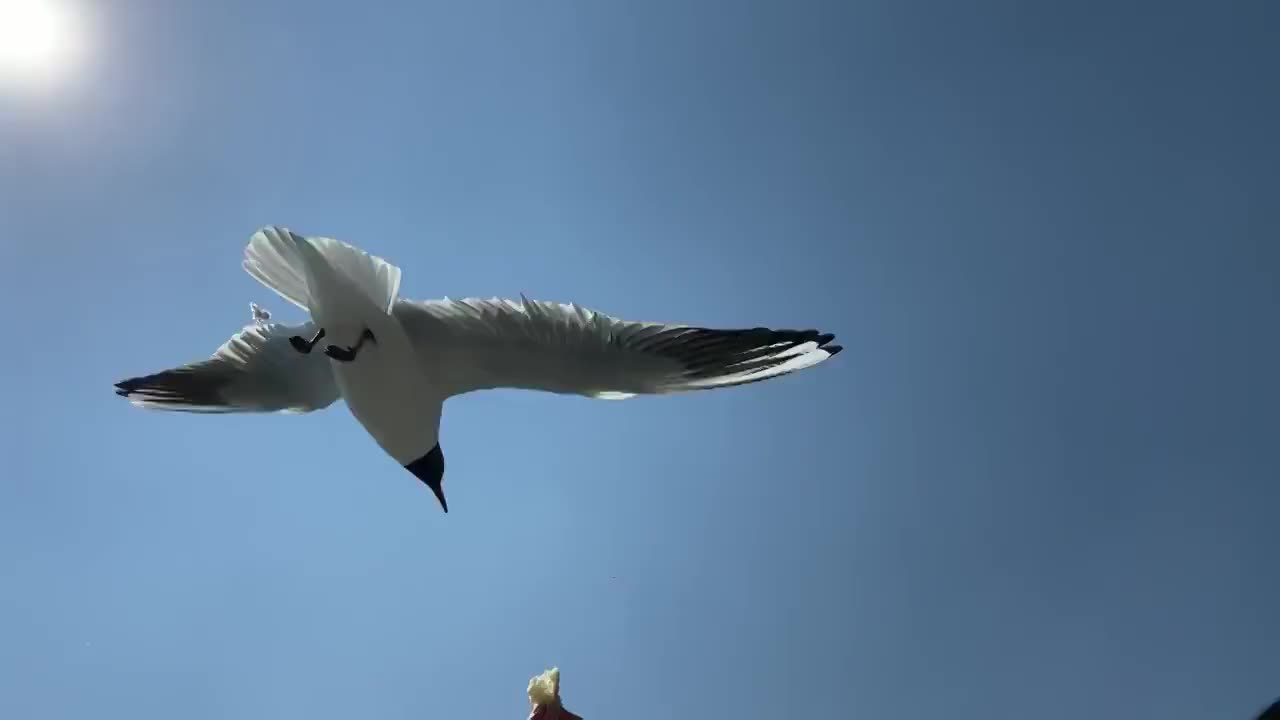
(1041, 481)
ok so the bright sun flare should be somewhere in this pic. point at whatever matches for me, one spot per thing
(37, 39)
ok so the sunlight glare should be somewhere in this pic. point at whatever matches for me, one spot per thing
(37, 39)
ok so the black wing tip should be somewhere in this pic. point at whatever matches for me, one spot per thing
(708, 353)
(178, 388)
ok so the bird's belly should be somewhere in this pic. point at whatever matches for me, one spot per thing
(387, 391)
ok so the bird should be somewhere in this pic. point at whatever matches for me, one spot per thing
(394, 361)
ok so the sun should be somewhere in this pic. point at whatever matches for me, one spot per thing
(37, 39)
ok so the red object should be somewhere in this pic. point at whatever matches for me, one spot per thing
(554, 711)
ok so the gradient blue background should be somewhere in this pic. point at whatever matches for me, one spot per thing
(1041, 482)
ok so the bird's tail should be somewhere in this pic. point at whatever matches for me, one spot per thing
(274, 258)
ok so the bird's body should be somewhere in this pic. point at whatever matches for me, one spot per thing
(390, 395)
(396, 361)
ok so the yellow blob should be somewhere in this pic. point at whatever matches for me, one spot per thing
(545, 688)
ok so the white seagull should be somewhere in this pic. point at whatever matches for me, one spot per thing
(396, 361)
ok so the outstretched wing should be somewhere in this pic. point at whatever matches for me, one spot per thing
(475, 344)
(257, 370)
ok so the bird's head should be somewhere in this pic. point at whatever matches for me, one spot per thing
(430, 470)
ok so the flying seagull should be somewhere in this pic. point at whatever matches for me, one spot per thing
(395, 361)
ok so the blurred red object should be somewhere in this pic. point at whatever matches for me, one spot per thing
(554, 711)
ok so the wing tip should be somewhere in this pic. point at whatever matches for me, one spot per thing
(170, 389)
(724, 358)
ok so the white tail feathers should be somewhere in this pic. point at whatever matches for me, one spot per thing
(275, 259)
(272, 259)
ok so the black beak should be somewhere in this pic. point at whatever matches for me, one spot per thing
(430, 470)
(439, 491)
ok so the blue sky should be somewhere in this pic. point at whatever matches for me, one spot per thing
(1040, 482)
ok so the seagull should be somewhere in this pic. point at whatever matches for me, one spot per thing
(395, 361)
